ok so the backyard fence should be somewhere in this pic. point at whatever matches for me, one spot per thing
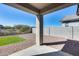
(67, 32)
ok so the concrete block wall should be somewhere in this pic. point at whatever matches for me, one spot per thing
(46, 31)
(67, 32)
(61, 32)
(34, 30)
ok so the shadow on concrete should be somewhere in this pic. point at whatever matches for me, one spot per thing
(58, 53)
(55, 43)
(71, 47)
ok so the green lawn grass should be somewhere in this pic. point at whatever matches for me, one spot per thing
(10, 40)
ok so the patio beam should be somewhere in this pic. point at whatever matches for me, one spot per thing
(54, 7)
(25, 7)
(39, 30)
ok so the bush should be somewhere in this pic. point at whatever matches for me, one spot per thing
(23, 28)
(18, 29)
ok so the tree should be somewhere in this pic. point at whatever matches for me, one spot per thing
(18, 26)
(8, 27)
(23, 28)
(1, 27)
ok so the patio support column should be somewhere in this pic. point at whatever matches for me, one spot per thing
(77, 10)
(39, 30)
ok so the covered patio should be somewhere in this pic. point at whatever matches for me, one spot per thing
(39, 9)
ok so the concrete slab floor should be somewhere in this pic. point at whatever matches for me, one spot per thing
(39, 50)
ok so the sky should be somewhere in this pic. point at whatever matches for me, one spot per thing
(10, 16)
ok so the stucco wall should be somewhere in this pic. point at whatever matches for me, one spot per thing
(76, 33)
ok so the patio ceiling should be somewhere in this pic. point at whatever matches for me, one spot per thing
(39, 8)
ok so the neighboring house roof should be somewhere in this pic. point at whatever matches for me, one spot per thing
(70, 18)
